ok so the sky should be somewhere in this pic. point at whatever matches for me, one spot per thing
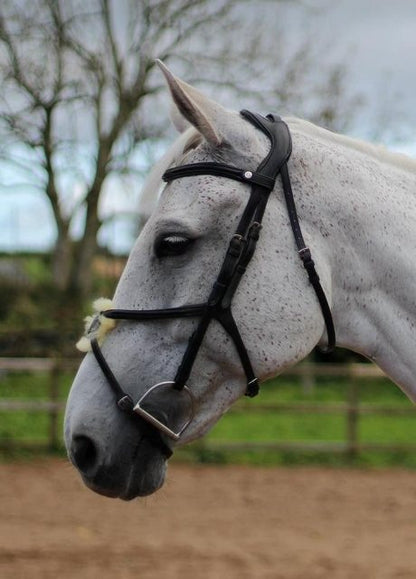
(376, 38)
(379, 38)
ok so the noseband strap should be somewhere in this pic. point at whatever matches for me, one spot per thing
(239, 253)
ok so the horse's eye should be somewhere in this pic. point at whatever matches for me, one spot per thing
(172, 244)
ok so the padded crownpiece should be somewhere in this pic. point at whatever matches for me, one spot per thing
(281, 142)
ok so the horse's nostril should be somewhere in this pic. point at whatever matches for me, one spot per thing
(84, 453)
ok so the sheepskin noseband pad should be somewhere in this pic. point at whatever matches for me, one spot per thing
(96, 326)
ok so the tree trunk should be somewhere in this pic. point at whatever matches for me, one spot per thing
(81, 278)
(62, 260)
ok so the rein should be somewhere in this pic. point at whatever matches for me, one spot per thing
(239, 254)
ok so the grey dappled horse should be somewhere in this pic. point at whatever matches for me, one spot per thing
(174, 374)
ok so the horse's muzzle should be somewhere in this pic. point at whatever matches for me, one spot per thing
(136, 470)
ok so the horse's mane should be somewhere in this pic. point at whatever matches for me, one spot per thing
(379, 152)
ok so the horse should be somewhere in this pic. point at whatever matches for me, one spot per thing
(214, 299)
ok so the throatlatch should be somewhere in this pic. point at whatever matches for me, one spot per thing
(239, 253)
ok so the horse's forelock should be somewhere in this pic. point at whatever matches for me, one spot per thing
(194, 140)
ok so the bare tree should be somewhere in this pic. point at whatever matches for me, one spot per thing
(79, 94)
(75, 76)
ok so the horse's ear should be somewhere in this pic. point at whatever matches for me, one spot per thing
(178, 120)
(196, 108)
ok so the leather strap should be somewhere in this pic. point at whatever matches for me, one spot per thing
(308, 263)
(219, 170)
(126, 404)
(191, 311)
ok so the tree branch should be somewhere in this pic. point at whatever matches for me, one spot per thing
(16, 67)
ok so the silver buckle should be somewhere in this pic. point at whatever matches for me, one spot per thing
(187, 396)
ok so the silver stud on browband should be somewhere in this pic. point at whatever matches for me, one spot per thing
(248, 175)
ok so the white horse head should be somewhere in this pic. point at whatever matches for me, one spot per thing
(339, 186)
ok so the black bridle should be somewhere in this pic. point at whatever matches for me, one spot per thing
(239, 253)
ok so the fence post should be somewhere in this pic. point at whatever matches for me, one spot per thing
(352, 415)
(54, 438)
(307, 376)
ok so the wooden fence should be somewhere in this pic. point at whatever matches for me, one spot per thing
(53, 405)
(352, 409)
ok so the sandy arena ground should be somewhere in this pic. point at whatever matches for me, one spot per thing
(210, 523)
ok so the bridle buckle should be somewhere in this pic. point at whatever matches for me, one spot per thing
(126, 403)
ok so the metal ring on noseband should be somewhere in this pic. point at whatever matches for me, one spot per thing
(240, 251)
(154, 421)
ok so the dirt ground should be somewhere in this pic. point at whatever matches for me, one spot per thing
(210, 523)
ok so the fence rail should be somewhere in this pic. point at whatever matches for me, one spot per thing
(53, 406)
(352, 408)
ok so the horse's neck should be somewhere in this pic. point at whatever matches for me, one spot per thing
(367, 236)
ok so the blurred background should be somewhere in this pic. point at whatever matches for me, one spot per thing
(84, 114)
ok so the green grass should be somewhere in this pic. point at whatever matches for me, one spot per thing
(250, 425)
(23, 425)
(290, 427)
(267, 426)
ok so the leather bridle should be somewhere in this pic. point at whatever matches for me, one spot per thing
(239, 253)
